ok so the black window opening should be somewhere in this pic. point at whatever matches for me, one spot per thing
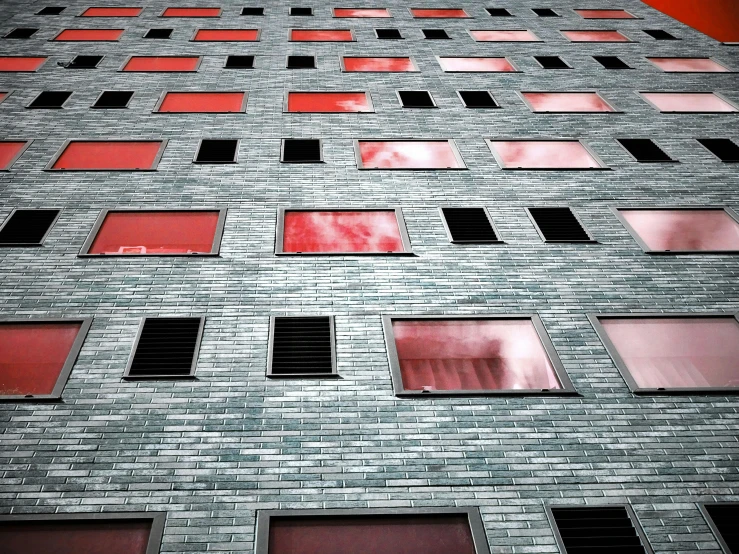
(302, 347)
(301, 151)
(166, 347)
(217, 151)
(611, 62)
(722, 518)
(51, 10)
(416, 99)
(252, 11)
(469, 225)
(558, 224)
(158, 33)
(301, 11)
(498, 12)
(84, 62)
(724, 149)
(435, 34)
(113, 99)
(50, 99)
(545, 12)
(388, 34)
(478, 99)
(301, 62)
(239, 62)
(644, 150)
(27, 227)
(21, 32)
(659, 34)
(552, 62)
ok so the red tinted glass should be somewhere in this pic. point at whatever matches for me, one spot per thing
(112, 12)
(75, 537)
(156, 233)
(409, 154)
(3, 95)
(434, 13)
(305, 35)
(472, 355)
(688, 102)
(328, 102)
(482, 65)
(566, 102)
(192, 12)
(109, 155)
(151, 63)
(679, 352)
(718, 19)
(12, 63)
(202, 102)
(83, 35)
(504, 36)
(347, 232)
(539, 154)
(595, 36)
(698, 65)
(677, 230)
(361, 12)
(604, 14)
(397, 534)
(31, 357)
(8, 151)
(226, 35)
(392, 65)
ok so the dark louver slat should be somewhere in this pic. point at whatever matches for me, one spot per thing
(559, 225)
(597, 530)
(302, 345)
(469, 225)
(166, 347)
(725, 518)
(27, 227)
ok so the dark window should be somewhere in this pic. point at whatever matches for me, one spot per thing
(110, 99)
(659, 34)
(301, 347)
(552, 62)
(21, 32)
(27, 227)
(252, 11)
(416, 99)
(217, 151)
(301, 11)
(498, 12)
(51, 10)
(611, 62)
(469, 225)
(545, 12)
(722, 518)
(158, 33)
(240, 62)
(84, 62)
(388, 33)
(50, 99)
(478, 99)
(558, 224)
(166, 347)
(724, 149)
(301, 151)
(435, 34)
(644, 150)
(301, 62)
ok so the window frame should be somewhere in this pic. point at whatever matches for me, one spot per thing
(590, 240)
(66, 370)
(97, 99)
(498, 105)
(595, 58)
(657, 144)
(59, 107)
(253, 65)
(715, 157)
(270, 349)
(633, 16)
(431, 96)
(585, 145)
(535, 39)
(291, 29)
(506, 14)
(55, 37)
(200, 143)
(553, 14)
(198, 29)
(506, 58)
(158, 158)
(252, 14)
(45, 59)
(735, 105)
(402, 231)
(220, 12)
(368, 95)
(426, 37)
(19, 153)
(169, 37)
(466, 16)
(627, 41)
(521, 94)
(645, 248)
(388, 16)
(290, 9)
(30, 244)
(142, 8)
(70, 66)
(452, 143)
(287, 63)
(51, 14)
(536, 59)
(711, 58)
(34, 29)
(320, 151)
(129, 58)
(487, 214)
(7, 94)
(164, 94)
(401, 37)
(410, 58)
(712, 525)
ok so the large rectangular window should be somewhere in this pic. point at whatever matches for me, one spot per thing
(688, 102)
(10, 151)
(378, 65)
(21, 63)
(108, 155)
(112, 12)
(321, 35)
(191, 12)
(408, 154)
(477, 64)
(89, 35)
(202, 102)
(162, 64)
(436, 13)
(566, 102)
(543, 154)
(328, 102)
(688, 65)
(226, 35)
(504, 36)
(595, 36)
(361, 12)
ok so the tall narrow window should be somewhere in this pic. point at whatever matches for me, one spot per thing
(27, 227)
(50, 99)
(595, 36)
(566, 102)
(217, 151)
(21, 63)
(321, 35)
(604, 14)
(202, 102)
(435, 34)
(477, 99)
(301, 62)
(552, 62)
(252, 11)
(722, 518)
(408, 154)
(113, 99)
(361, 12)
(436, 13)
(329, 102)
(84, 62)
(89, 35)
(162, 64)
(112, 12)
(469, 225)
(558, 224)
(301, 347)
(109, 155)
(21, 33)
(645, 150)
(476, 65)
(504, 36)
(688, 102)
(226, 35)
(388, 34)
(611, 62)
(543, 154)
(239, 62)
(10, 151)
(688, 65)
(416, 99)
(545, 12)
(724, 149)
(659, 34)
(301, 151)
(378, 65)
(159, 33)
(51, 10)
(165, 348)
(192, 12)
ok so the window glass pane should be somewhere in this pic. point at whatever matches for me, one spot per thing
(688, 102)
(566, 102)
(379, 64)
(504, 36)
(476, 64)
(112, 12)
(604, 14)
(681, 352)
(83, 35)
(12, 63)
(341, 231)
(433, 13)
(226, 35)
(401, 154)
(151, 63)
(705, 65)
(192, 12)
(328, 102)
(361, 12)
(306, 35)
(478, 354)
(540, 154)
(8, 151)
(202, 102)
(595, 36)
(110, 155)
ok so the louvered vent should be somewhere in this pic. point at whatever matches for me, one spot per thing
(302, 346)
(167, 347)
(598, 529)
(27, 227)
(469, 225)
(559, 225)
(725, 518)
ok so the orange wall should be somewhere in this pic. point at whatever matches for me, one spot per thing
(718, 19)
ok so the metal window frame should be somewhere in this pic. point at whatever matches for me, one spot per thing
(264, 519)
(320, 152)
(162, 146)
(401, 37)
(59, 107)
(235, 158)
(590, 240)
(161, 377)
(554, 13)
(712, 525)
(158, 520)
(290, 9)
(535, 39)
(648, 33)
(315, 63)
(220, 12)
(536, 59)
(466, 16)
(18, 154)
(367, 94)
(628, 39)
(487, 214)
(623, 369)
(431, 96)
(46, 59)
(521, 94)
(612, 68)
(129, 58)
(29, 244)
(99, 96)
(270, 350)
(452, 144)
(291, 29)
(409, 58)
(253, 65)
(506, 10)
(252, 14)
(498, 105)
(447, 37)
(699, 139)
(66, 370)
(55, 38)
(715, 207)
(7, 94)
(633, 16)
(387, 10)
(195, 34)
(51, 14)
(640, 94)
(506, 58)
(69, 65)
(585, 145)
(114, 7)
(164, 94)
(711, 58)
(157, 38)
(34, 29)
(657, 144)
(397, 210)
(215, 248)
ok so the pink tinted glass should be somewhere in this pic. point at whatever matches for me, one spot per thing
(566, 102)
(482, 65)
(688, 102)
(304, 35)
(595, 36)
(435, 13)
(361, 12)
(342, 232)
(679, 352)
(539, 154)
(604, 14)
(327, 102)
(392, 65)
(677, 230)
(698, 65)
(408, 155)
(472, 355)
(504, 36)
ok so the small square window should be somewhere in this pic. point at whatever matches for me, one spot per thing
(159, 33)
(112, 12)
(688, 102)
(328, 102)
(543, 154)
(722, 518)
(239, 62)
(476, 65)
(113, 99)
(558, 224)
(301, 151)
(446, 13)
(109, 155)
(644, 150)
(20, 63)
(51, 10)
(362, 12)
(604, 14)
(595, 36)
(84, 62)
(301, 347)
(50, 99)
(408, 154)
(435, 34)
(477, 99)
(688, 65)
(10, 151)
(202, 102)
(226, 35)
(416, 99)
(21, 32)
(724, 149)
(89, 35)
(321, 35)
(301, 11)
(552, 62)
(566, 102)
(301, 62)
(378, 65)
(611, 62)
(469, 225)
(252, 11)
(27, 227)
(191, 12)
(165, 348)
(498, 12)
(659, 34)
(388, 34)
(217, 151)
(545, 12)
(504, 36)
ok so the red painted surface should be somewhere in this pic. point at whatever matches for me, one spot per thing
(31, 357)
(156, 233)
(3, 95)
(472, 355)
(109, 155)
(361, 12)
(595, 36)
(335, 231)
(78, 537)
(541, 154)
(688, 102)
(678, 352)
(227, 35)
(408, 155)
(566, 102)
(693, 65)
(604, 14)
(8, 151)
(11, 63)
(719, 19)
(112, 12)
(152, 63)
(476, 65)
(192, 12)
(389, 65)
(504, 36)
(89, 35)
(328, 102)
(202, 102)
(438, 13)
(307, 35)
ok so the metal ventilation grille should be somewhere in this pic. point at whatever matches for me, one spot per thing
(27, 227)
(166, 347)
(559, 225)
(302, 346)
(597, 529)
(725, 518)
(469, 225)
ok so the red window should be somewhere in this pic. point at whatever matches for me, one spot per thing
(688, 65)
(202, 102)
(226, 35)
(698, 102)
(162, 63)
(447, 354)
(504, 36)
(313, 35)
(381, 65)
(3, 96)
(542, 154)
(10, 151)
(683, 230)
(421, 13)
(328, 102)
(566, 102)
(192, 12)
(604, 14)
(89, 35)
(156, 232)
(361, 12)
(112, 12)
(109, 155)
(680, 352)
(343, 232)
(408, 154)
(17, 63)
(595, 36)
(476, 65)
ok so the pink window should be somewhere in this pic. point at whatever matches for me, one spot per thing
(560, 102)
(674, 352)
(226, 35)
(504, 36)
(89, 35)
(688, 65)
(542, 154)
(604, 14)
(328, 102)
(202, 102)
(162, 63)
(595, 36)
(382, 65)
(456, 13)
(476, 65)
(342, 232)
(153, 232)
(18, 63)
(703, 230)
(192, 12)
(314, 35)
(361, 12)
(10, 151)
(109, 155)
(470, 355)
(687, 102)
(3, 96)
(112, 12)
(408, 154)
